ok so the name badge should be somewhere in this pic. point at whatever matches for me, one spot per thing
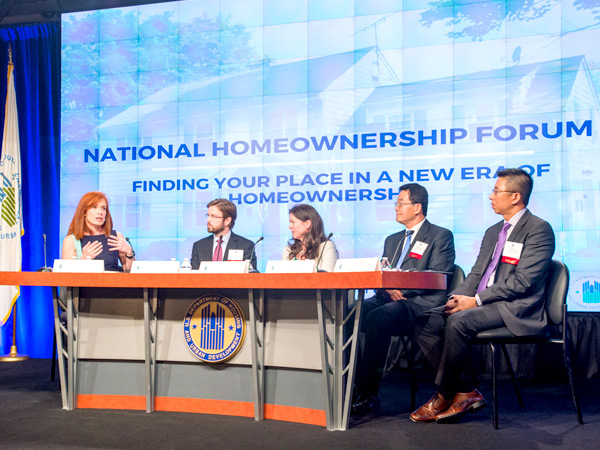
(418, 250)
(512, 252)
(235, 255)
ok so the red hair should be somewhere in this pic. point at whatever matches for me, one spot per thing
(78, 226)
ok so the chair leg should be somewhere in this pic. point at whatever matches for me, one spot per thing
(410, 361)
(54, 355)
(570, 375)
(472, 372)
(512, 376)
(495, 361)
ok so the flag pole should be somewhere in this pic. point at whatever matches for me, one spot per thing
(10, 195)
(14, 356)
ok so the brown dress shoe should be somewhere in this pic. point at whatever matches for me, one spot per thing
(429, 411)
(462, 403)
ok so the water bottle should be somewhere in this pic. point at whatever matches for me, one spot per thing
(185, 265)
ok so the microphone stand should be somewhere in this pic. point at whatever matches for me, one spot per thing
(253, 269)
(132, 250)
(408, 233)
(323, 251)
(45, 268)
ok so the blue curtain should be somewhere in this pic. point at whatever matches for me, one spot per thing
(36, 57)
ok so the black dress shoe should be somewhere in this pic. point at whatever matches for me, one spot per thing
(365, 404)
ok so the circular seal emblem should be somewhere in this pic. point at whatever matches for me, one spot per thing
(214, 328)
(584, 294)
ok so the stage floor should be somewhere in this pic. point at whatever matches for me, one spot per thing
(32, 418)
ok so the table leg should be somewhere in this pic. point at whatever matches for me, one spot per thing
(257, 336)
(72, 344)
(150, 337)
(352, 341)
(325, 319)
(337, 365)
(60, 332)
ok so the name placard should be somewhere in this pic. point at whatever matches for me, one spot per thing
(78, 265)
(357, 265)
(224, 266)
(300, 266)
(155, 267)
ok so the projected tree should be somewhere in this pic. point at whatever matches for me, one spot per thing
(116, 58)
(205, 47)
(486, 17)
(212, 46)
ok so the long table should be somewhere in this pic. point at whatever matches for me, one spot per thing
(338, 298)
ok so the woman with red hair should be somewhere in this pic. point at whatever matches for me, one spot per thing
(91, 235)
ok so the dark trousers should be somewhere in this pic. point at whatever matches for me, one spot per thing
(382, 319)
(445, 342)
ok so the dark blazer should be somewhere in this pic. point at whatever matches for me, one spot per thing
(518, 289)
(203, 249)
(439, 256)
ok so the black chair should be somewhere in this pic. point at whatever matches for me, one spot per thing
(408, 345)
(456, 280)
(557, 287)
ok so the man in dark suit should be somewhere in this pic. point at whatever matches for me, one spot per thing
(504, 289)
(224, 244)
(421, 246)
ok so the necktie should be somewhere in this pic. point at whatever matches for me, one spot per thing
(495, 258)
(218, 255)
(405, 249)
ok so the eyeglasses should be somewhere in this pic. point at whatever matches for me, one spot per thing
(498, 191)
(213, 217)
(400, 204)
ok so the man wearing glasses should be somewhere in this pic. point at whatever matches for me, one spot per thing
(421, 246)
(224, 244)
(504, 289)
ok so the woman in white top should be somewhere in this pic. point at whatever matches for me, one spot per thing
(308, 238)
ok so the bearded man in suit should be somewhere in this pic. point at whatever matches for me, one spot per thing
(505, 288)
(223, 244)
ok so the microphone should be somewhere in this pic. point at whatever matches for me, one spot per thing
(45, 268)
(252, 268)
(322, 251)
(408, 233)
